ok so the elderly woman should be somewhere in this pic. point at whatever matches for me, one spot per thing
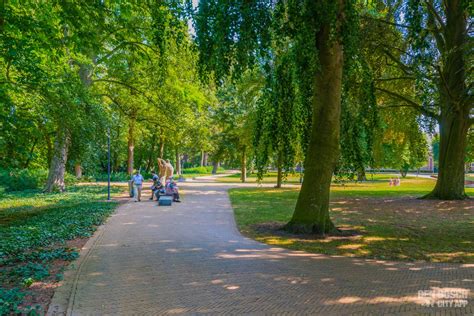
(171, 188)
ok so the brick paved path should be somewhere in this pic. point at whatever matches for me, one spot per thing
(189, 258)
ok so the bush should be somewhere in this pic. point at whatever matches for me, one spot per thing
(9, 300)
(200, 170)
(28, 179)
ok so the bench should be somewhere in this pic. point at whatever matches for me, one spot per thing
(165, 200)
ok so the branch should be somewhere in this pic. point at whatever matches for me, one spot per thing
(395, 78)
(139, 44)
(390, 23)
(437, 34)
(386, 22)
(407, 70)
(409, 102)
(131, 88)
(432, 10)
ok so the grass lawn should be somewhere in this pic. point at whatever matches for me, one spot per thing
(38, 235)
(270, 177)
(390, 222)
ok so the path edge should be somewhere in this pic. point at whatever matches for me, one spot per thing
(63, 297)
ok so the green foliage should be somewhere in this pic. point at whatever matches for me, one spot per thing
(10, 299)
(34, 228)
(199, 170)
(27, 179)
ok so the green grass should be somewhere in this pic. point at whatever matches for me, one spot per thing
(34, 229)
(391, 222)
(270, 177)
(294, 178)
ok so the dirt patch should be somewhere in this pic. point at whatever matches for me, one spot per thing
(278, 229)
(40, 293)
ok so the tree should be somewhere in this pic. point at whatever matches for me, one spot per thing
(435, 56)
(232, 35)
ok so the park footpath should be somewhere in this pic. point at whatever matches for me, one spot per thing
(190, 259)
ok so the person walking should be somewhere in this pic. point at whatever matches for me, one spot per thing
(137, 182)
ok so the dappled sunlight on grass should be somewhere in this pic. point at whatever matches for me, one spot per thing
(388, 225)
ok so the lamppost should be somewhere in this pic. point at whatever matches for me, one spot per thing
(108, 164)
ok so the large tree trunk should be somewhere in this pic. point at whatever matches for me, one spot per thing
(452, 150)
(454, 119)
(311, 214)
(131, 146)
(243, 165)
(57, 167)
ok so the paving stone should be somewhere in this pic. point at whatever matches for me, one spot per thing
(190, 259)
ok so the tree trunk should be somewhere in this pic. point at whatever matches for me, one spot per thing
(30, 155)
(57, 167)
(202, 158)
(279, 172)
(243, 166)
(215, 167)
(150, 160)
(131, 146)
(205, 159)
(452, 150)
(311, 214)
(78, 170)
(403, 172)
(162, 147)
(456, 105)
(361, 175)
(178, 163)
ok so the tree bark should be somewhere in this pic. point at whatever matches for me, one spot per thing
(202, 158)
(243, 166)
(452, 151)
(151, 152)
(205, 159)
(57, 167)
(131, 146)
(456, 105)
(162, 147)
(30, 155)
(311, 214)
(178, 163)
(215, 167)
(78, 170)
(361, 175)
(403, 172)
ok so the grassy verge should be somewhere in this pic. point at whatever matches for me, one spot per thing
(270, 177)
(391, 223)
(37, 236)
(294, 178)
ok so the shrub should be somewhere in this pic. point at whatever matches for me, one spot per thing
(28, 179)
(201, 170)
(9, 300)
